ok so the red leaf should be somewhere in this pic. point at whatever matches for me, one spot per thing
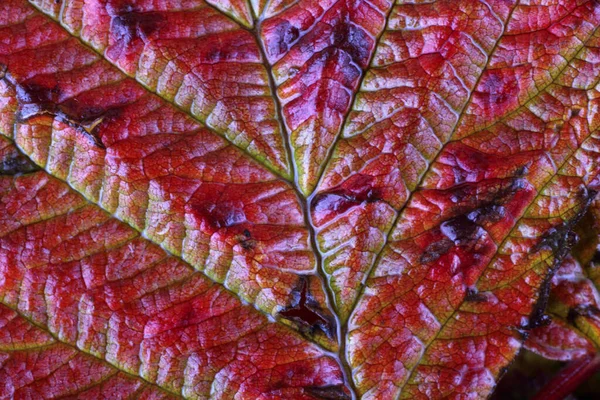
(292, 199)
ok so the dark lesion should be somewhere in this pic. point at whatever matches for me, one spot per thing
(582, 310)
(15, 163)
(360, 189)
(306, 312)
(466, 228)
(128, 23)
(474, 296)
(333, 392)
(36, 100)
(559, 239)
(246, 240)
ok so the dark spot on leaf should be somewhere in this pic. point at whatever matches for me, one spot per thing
(307, 312)
(219, 215)
(583, 310)
(465, 229)
(461, 230)
(246, 240)
(284, 34)
(36, 100)
(334, 392)
(521, 172)
(474, 296)
(355, 191)
(16, 163)
(558, 126)
(353, 40)
(435, 250)
(559, 239)
(127, 24)
(596, 257)
(575, 112)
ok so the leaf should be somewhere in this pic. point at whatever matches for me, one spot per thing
(291, 199)
(104, 299)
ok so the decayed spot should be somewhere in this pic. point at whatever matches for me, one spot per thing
(218, 215)
(465, 229)
(128, 23)
(15, 163)
(353, 192)
(337, 392)
(560, 239)
(12, 162)
(306, 312)
(474, 296)
(36, 100)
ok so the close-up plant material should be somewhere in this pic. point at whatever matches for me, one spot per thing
(299, 199)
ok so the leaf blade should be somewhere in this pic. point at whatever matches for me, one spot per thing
(125, 301)
(158, 170)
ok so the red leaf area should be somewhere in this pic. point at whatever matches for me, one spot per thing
(292, 199)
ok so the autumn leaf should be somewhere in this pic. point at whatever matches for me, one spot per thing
(288, 199)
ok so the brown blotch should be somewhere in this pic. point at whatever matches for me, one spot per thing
(465, 229)
(334, 392)
(435, 250)
(596, 257)
(306, 311)
(219, 215)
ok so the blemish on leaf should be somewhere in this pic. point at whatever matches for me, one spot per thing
(596, 257)
(306, 311)
(465, 229)
(37, 100)
(435, 250)
(284, 34)
(218, 215)
(499, 89)
(246, 240)
(560, 239)
(352, 193)
(460, 229)
(337, 392)
(128, 24)
(16, 163)
(474, 296)
(353, 40)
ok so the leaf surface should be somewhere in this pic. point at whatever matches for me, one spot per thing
(291, 198)
(104, 299)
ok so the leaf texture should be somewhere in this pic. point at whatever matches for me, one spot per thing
(58, 370)
(464, 262)
(293, 198)
(155, 168)
(100, 291)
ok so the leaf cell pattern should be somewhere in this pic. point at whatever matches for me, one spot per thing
(293, 198)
